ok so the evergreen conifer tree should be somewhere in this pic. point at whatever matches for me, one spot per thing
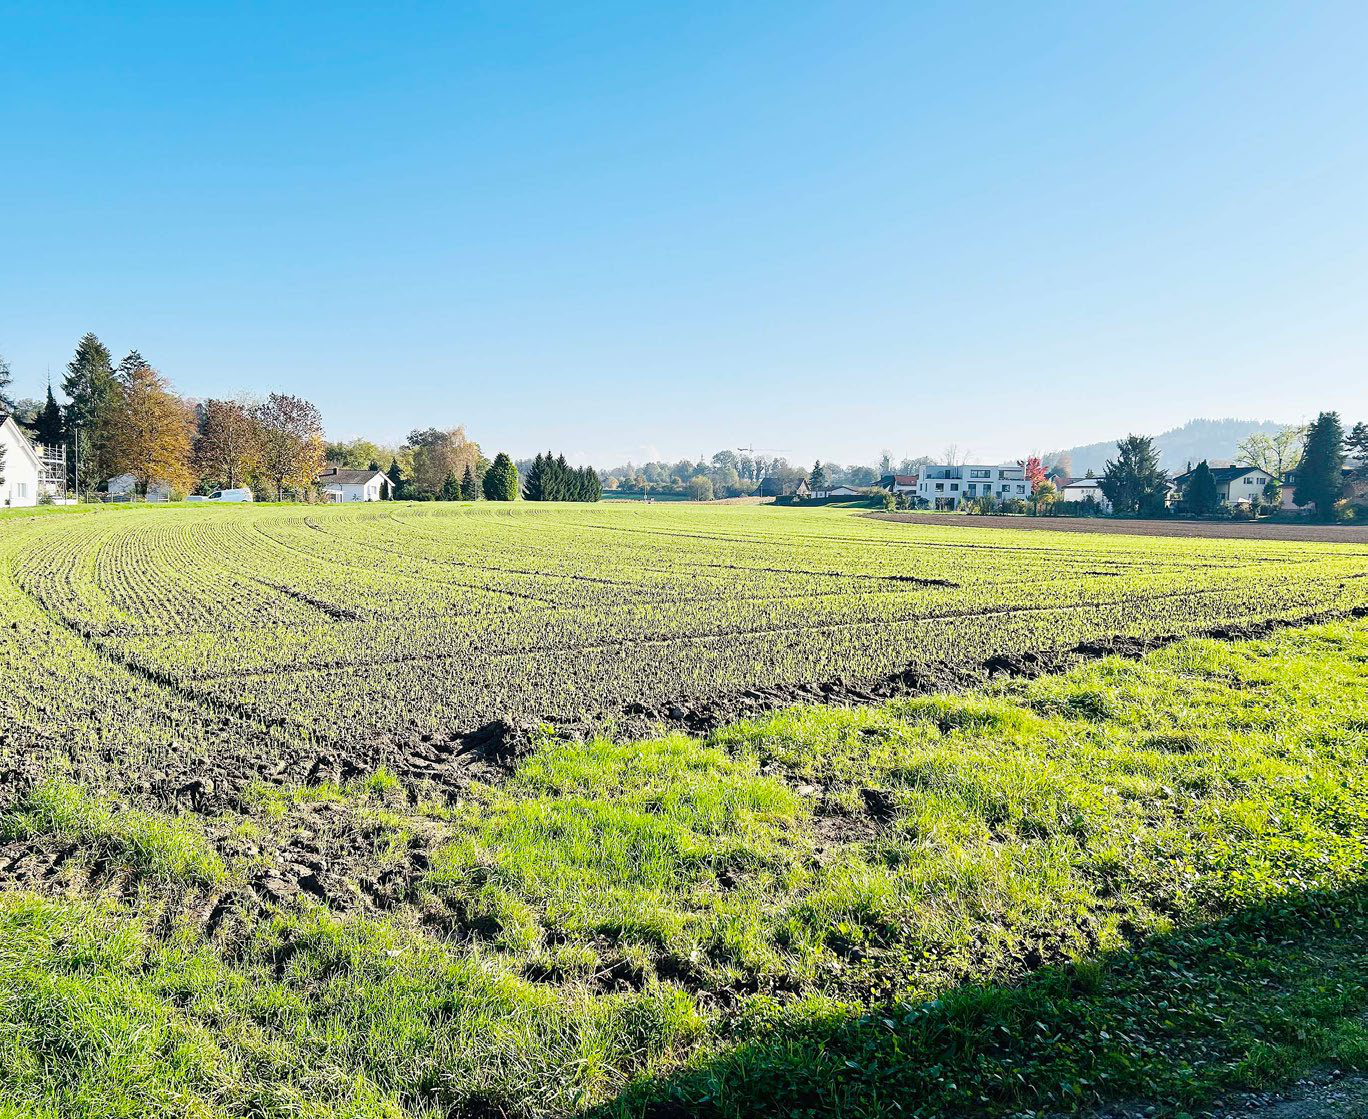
(1320, 477)
(1202, 496)
(6, 402)
(470, 491)
(451, 489)
(501, 479)
(50, 428)
(90, 386)
(1134, 483)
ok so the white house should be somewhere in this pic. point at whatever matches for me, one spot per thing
(124, 487)
(945, 487)
(22, 467)
(836, 491)
(1086, 489)
(1235, 485)
(355, 485)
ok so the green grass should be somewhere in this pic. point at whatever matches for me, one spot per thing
(175, 850)
(1138, 880)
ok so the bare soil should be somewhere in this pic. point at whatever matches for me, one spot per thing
(1219, 530)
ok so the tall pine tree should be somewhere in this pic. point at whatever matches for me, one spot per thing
(50, 427)
(90, 386)
(470, 490)
(1320, 477)
(1133, 482)
(1202, 496)
(6, 401)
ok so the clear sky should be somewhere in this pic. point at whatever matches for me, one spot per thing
(628, 230)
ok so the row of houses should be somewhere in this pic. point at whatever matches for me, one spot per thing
(948, 487)
(334, 485)
(34, 473)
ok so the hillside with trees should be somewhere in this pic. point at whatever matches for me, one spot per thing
(1180, 447)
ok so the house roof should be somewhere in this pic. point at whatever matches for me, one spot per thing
(338, 477)
(898, 480)
(1222, 474)
(25, 443)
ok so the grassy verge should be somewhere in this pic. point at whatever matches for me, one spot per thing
(1137, 880)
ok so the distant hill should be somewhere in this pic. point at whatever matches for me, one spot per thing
(1194, 441)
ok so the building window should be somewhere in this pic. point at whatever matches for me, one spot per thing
(1021, 489)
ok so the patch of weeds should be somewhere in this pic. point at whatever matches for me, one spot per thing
(157, 845)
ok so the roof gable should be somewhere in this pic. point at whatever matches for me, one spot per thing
(337, 477)
(21, 440)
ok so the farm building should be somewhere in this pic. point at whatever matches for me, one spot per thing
(339, 485)
(22, 467)
(771, 486)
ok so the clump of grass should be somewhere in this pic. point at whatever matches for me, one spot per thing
(154, 844)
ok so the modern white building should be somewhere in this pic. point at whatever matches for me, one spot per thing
(22, 467)
(945, 487)
(1086, 489)
(354, 485)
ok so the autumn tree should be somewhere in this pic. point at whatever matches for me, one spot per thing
(228, 447)
(148, 431)
(437, 453)
(291, 441)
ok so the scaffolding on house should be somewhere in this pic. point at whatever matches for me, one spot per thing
(52, 471)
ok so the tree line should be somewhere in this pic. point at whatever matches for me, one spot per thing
(127, 419)
(1330, 468)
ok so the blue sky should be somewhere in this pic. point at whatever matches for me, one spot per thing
(623, 230)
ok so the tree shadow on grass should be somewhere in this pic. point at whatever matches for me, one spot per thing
(1172, 1023)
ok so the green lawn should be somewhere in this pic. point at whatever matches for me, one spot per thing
(1137, 880)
